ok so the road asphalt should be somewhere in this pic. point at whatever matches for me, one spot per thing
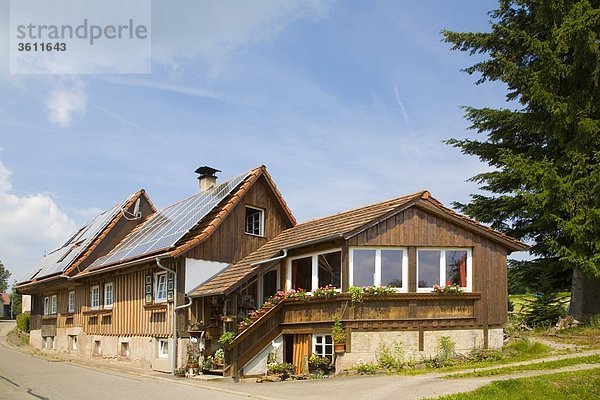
(27, 376)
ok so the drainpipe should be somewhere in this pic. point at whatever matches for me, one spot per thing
(175, 308)
(284, 255)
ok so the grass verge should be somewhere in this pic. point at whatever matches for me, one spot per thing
(544, 365)
(570, 385)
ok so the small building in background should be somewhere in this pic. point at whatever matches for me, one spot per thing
(5, 306)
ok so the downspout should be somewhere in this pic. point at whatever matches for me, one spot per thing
(175, 309)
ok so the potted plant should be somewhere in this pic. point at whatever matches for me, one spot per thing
(227, 338)
(180, 372)
(338, 335)
(218, 357)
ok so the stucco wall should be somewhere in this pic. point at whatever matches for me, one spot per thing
(142, 350)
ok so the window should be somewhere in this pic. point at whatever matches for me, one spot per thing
(254, 221)
(73, 342)
(302, 273)
(97, 347)
(71, 303)
(160, 287)
(108, 295)
(443, 267)
(270, 284)
(330, 269)
(379, 267)
(95, 297)
(53, 304)
(315, 271)
(323, 346)
(46, 305)
(163, 348)
(124, 349)
(49, 342)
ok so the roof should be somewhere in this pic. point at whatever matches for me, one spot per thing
(81, 243)
(185, 224)
(5, 297)
(339, 226)
(305, 233)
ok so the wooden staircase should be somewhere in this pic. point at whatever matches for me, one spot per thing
(253, 339)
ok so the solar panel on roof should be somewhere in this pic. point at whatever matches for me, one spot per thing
(60, 259)
(166, 227)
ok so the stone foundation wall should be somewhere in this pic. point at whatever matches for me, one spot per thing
(137, 351)
(366, 345)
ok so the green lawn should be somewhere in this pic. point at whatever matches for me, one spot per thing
(514, 352)
(544, 365)
(583, 385)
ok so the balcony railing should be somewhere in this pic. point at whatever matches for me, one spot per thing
(395, 311)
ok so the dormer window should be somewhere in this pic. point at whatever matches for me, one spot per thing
(255, 221)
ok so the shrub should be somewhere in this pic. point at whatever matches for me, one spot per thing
(366, 368)
(23, 322)
(594, 321)
(445, 355)
(391, 358)
(543, 310)
(317, 362)
(283, 369)
(227, 338)
(479, 354)
(337, 332)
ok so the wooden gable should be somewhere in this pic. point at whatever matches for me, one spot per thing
(229, 243)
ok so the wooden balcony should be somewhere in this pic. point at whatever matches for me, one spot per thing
(390, 312)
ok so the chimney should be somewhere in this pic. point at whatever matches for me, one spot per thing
(207, 178)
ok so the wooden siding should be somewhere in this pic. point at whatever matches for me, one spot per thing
(229, 243)
(415, 228)
(129, 315)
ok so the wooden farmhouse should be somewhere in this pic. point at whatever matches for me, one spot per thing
(157, 289)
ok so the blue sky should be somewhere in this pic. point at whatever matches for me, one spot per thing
(345, 102)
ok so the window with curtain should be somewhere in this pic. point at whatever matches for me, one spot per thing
(443, 267)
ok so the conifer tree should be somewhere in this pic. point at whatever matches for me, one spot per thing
(544, 147)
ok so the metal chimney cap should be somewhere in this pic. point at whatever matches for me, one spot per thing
(207, 171)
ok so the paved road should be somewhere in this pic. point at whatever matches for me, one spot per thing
(29, 378)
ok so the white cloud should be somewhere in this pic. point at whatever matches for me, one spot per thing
(29, 225)
(66, 102)
(214, 30)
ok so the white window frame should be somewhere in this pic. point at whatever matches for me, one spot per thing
(160, 347)
(158, 299)
(94, 305)
(261, 295)
(314, 345)
(53, 304)
(108, 305)
(46, 305)
(442, 276)
(261, 222)
(377, 273)
(71, 302)
(73, 342)
(315, 269)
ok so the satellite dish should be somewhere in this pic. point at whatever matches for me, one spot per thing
(136, 209)
(135, 215)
